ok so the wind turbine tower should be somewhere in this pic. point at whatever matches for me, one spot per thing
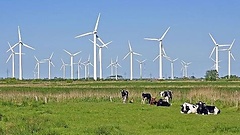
(71, 58)
(20, 43)
(13, 59)
(172, 66)
(49, 65)
(216, 49)
(140, 67)
(160, 50)
(38, 66)
(95, 37)
(131, 53)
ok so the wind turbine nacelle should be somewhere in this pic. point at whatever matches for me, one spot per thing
(95, 32)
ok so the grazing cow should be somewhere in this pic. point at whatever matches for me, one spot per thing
(153, 101)
(146, 96)
(167, 95)
(206, 109)
(188, 108)
(124, 95)
(161, 102)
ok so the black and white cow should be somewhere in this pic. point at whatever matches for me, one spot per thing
(146, 97)
(206, 109)
(161, 102)
(167, 95)
(124, 95)
(188, 108)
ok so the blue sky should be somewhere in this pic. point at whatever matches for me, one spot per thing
(50, 26)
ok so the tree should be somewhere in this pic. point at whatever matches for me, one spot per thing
(211, 75)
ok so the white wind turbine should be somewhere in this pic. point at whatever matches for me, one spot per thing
(216, 49)
(184, 68)
(111, 65)
(64, 68)
(38, 66)
(79, 66)
(116, 65)
(131, 53)
(71, 63)
(13, 59)
(172, 66)
(100, 56)
(49, 65)
(229, 58)
(86, 67)
(161, 51)
(140, 67)
(20, 43)
(95, 37)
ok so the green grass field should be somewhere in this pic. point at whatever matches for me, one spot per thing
(84, 108)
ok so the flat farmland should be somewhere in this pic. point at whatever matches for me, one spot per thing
(84, 107)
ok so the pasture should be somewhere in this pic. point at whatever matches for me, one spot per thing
(84, 107)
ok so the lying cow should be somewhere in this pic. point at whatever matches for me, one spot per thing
(124, 95)
(188, 108)
(167, 95)
(146, 97)
(206, 109)
(161, 102)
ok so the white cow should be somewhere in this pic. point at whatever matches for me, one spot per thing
(188, 108)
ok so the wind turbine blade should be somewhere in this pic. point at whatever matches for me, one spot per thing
(137, 54)
(175, 59)
(77, 53)
(156, 58)
(224, 45)
(28, 46)
(62, 61)
(67, 52)
(96, 26)
(138, 61)
(232, 55)
(93, 43)
(213, 39)
(105, 45)
(164, 33)
(130, 48)
(36, 59)
(51, 56)
(126, 55)
(11, 48)
(52, 63)
(231, 45)
(85, 34)
(152, 39)
(164, 53)
(99, 39)
(19, 34)
(9, 57)
(212, 52)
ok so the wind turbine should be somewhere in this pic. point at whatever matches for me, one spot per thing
(95, 37)
(20, 43)
(216, 49)
(86, 66)
(140, 67)
(131, 53)
(79, 66)
(116, 64)
(38, 66)
(100, 56)
(49, 65)
(229, 58)
(64, 68)
(172, 69)
(71, 63)
(13, 59)
(184, 68)
(160, 50)
(111, 65)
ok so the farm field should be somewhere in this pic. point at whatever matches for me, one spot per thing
(84, 107)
